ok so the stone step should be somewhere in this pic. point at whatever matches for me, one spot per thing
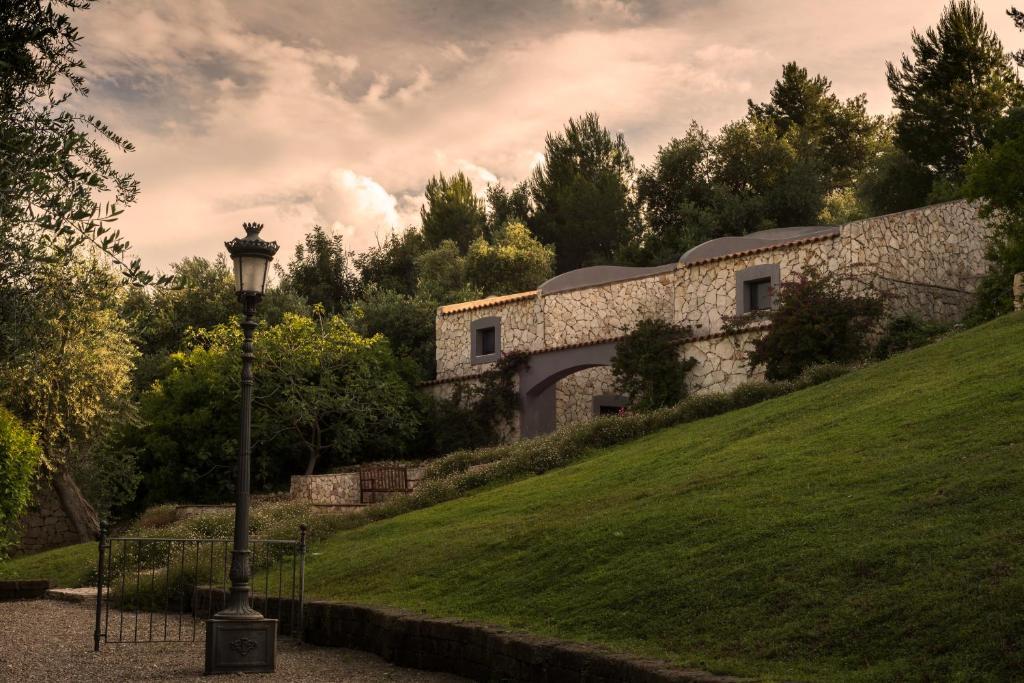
(86, 595)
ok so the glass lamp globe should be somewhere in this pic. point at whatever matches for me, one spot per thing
(251, 256)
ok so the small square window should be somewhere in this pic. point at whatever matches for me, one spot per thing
(485, 338)
(759, 294)
(609, 410)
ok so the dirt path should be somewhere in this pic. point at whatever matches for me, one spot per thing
(48, 640)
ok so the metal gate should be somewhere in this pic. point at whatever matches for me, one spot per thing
(162, 589)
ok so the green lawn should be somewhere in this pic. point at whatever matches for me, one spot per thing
(68, 567)
(867, 529)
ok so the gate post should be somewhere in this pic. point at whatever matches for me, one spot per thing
(302, 578)
(99, 586)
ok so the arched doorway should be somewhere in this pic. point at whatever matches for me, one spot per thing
(537, 382)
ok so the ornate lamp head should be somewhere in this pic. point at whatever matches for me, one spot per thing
(252, 256)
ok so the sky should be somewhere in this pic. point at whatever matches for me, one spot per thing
(297, 113)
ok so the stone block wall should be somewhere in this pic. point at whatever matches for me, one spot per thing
(45, 525)
(574, 395)
(340, 489)
(521, 330)
(596, 313)
(706, 292)
(927, 261)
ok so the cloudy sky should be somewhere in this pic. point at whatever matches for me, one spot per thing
(301, 112)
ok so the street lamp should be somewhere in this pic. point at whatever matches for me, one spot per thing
(238, 638)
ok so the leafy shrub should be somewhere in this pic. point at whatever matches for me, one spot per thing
(20, 459)
(816, 321)
(906, 332)
(647, 365)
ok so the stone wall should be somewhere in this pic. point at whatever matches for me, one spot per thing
(45, 525)
(519, 332)
(340, 489)
(574, 395)
(706, 292)
(927, 261)
(595, 313)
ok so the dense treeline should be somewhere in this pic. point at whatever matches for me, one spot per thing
(129, 382)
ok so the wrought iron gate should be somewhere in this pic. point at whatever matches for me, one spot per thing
(163, 589)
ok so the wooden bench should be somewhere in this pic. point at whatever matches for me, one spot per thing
(379, 482)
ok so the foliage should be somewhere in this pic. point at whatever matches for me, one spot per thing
(73, 384)
(20, 461)
(321, 271)
(335, 392)
(677, 196)
(815, 321)
(441, 275)
(582, 194)
(391, 264)
(478, 412)
(996, 177)
(894, 182)
(958, 85)
(507, 206)
(324, 396)
(647, 365)
(453, 212)
(55, 170)
(906, 332)
(513, 261)
(407, 321)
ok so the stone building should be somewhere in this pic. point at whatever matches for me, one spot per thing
(926, 261)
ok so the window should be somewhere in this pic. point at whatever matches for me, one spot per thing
(759, 294)
(609, 404)
(755, 288)
(485, 340)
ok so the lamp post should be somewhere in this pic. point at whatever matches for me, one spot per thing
(238, 638)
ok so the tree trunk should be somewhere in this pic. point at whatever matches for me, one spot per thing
(76, 507)
(314, 450)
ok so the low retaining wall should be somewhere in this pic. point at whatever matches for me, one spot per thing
(477, 651)
(23, 590)
(340, 489)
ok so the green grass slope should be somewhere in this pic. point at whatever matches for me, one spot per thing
(871, 528)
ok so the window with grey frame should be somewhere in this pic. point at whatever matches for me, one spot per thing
(755, 288)
(485, 340)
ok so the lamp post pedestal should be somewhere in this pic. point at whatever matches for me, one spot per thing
(239, 638)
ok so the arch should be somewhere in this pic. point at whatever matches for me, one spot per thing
(537, 382)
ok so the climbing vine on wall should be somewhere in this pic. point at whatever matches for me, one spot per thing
(648, 366)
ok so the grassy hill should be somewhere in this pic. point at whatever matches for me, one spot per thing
(871, 528)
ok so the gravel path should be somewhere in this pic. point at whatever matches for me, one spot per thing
(48, 640)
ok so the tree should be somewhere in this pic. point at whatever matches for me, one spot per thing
(337, 393)
(996, 177)
(55, 171)
(581, 194)
(676, 197)
(506, 206)
(958, 85)
(321, 271)
(453, 212)
(815, 321)
(20, 460)
(514, 262)
(441, 275)
(391, 264)
(74, 383)
(647, 365)
(406, 321)
(324, 396)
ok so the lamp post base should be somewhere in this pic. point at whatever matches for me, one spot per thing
(240, 645)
